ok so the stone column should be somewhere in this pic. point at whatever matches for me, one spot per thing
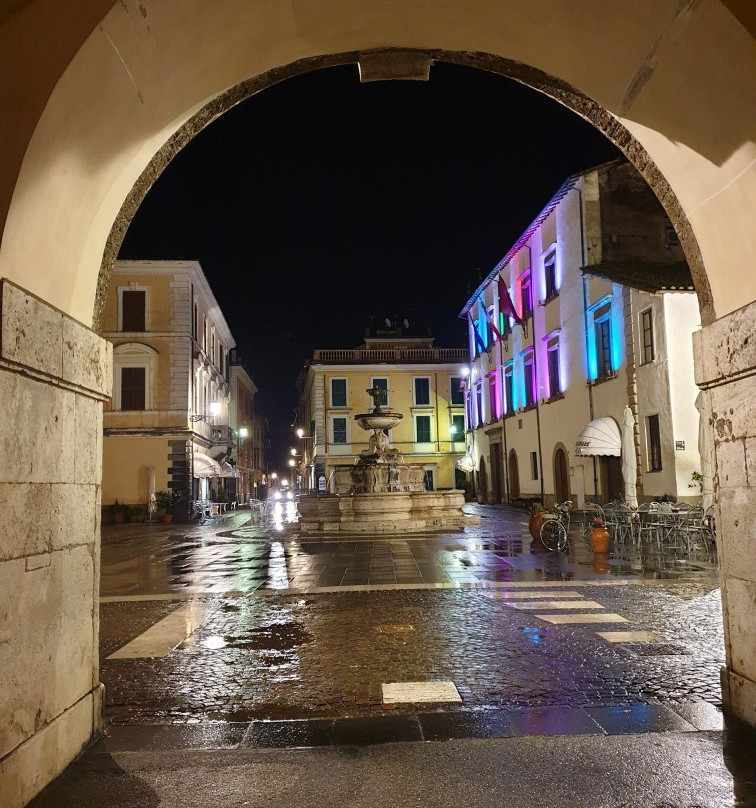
(725, 363)
(54, 375)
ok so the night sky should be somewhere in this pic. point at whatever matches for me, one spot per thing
(321, 202)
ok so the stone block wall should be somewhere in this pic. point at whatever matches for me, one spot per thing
(54, 375)
(725, 359)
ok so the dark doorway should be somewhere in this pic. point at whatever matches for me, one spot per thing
(482, 482)
(611, 478)
(497, 478)
(561, 476)
(514, 476)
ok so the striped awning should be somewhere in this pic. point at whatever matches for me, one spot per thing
(227, 470)
(599, 437)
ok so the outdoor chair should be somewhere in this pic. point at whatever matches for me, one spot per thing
(619, 522)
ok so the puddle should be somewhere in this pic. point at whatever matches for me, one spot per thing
(277, 637)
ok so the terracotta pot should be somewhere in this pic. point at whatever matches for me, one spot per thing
(600, 539)
(534, 524)
(167, 518)
(601, 562)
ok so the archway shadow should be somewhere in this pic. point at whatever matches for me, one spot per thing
(95, 780)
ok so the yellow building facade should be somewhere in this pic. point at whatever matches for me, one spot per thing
(167, 424)
(419, 381)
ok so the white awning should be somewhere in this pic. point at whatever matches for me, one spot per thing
(599, 437)
(227, 470)
(205, 466)
(465, 464)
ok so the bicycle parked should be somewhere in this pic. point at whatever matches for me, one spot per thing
(556, 527)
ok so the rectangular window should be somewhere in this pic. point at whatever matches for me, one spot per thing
(457, 398)
(647, 335)
(382, 384)
(422, 391)
(654, 443)
(338, 392)
(505, 327)
(457, 427)
(133, 308)
(478, 404)
(552, 358)
(493, 396)
(194, 322)
(468, 406)
(526, 297)
(339, 430)
(549, 273)
(603, 348)
(423, 428)
(133, 391)
(527, 381)
(509, 389)
(534, 465)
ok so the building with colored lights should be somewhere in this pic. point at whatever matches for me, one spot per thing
(420, 381)
(568, 330)
(169, 417)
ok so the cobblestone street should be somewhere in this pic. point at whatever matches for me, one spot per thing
(289, 629)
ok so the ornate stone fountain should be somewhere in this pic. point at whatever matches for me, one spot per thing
(379, 493)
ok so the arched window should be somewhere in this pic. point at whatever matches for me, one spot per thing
(134, 366)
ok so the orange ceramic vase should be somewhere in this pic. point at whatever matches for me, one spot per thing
(600, 539)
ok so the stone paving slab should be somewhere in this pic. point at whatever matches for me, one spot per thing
(669, 770)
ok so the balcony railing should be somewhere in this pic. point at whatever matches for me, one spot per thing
(377, 355)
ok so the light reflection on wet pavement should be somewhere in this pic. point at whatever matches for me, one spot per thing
(313, 629)
(241, 556)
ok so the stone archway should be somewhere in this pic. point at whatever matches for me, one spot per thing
(115, 89)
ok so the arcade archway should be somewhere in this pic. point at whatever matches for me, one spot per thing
(117, 90)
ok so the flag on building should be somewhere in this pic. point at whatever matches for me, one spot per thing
(506, 306)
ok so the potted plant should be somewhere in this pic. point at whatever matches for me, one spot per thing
(536, 520)
(164, 499)
(117, 513)
(222, 495)
(599, 536)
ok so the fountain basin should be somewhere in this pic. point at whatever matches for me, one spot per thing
(387, 512)
(378, 420)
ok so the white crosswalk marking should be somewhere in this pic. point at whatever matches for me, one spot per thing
(160, 639)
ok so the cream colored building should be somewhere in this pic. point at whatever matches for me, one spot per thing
(171, 395)
(600, 283)
(421, 381)
(250, 432)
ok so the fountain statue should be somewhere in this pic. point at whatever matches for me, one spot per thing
(379, 493)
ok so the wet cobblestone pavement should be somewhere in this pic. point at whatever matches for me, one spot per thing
(291, 629)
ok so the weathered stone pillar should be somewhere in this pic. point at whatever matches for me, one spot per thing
(725, 360)
(54, 375)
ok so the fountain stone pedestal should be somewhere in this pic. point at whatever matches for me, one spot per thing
(379, 493)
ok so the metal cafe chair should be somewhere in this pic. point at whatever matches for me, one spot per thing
(588, 513)
(619, 522)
